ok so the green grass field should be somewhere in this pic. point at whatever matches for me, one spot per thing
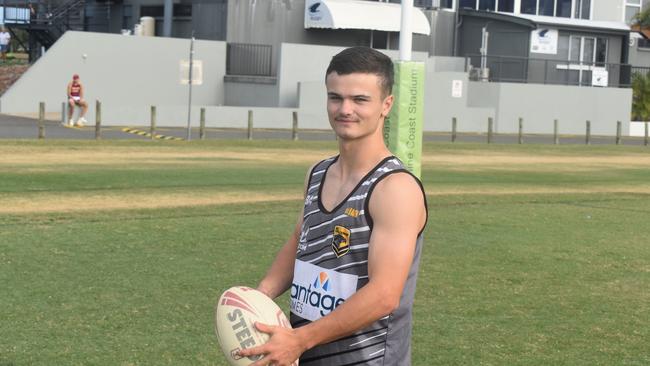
(114, 252)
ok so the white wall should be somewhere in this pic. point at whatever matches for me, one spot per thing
(120, 71)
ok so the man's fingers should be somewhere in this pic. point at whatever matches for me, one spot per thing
(265, 328)
(253, 351)
(261, 362)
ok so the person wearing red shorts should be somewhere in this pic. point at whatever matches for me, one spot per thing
(76, 98)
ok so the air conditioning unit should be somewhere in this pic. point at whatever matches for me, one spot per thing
(478, 74)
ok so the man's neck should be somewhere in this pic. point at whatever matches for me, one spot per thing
(357, 158)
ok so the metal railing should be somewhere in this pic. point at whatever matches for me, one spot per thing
(543, 71)
(249, 59)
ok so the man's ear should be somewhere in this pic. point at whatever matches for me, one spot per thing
(387, 105)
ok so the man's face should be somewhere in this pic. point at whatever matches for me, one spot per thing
(356, 106)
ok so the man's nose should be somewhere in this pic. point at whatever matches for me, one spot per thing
(346, 107)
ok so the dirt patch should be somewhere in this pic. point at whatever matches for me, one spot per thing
(506, 161)
(103, 202)
(57, 157)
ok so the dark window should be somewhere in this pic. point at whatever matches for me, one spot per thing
(182, 10)
(582, 9)
(507, 5)
(529, 6)
(446, 4)
(601, 50)
(563, 8)
(158, 11)
(467, 4)
(487, 5)
(546, 7)
(152, 11)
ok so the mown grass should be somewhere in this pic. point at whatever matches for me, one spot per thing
(506, 279)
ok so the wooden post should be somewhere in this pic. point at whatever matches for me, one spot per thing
(153, 122)
(645, 140)
(98, 120)
(618, 132)
(202, 125)
(294, 126)
(250, 124)
(454, 127)
(41, 120)
(556, 131)
(490, 126)
(64, 113)
(588, 134)
(521, 130)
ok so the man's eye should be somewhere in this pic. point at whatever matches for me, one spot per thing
(360, 100)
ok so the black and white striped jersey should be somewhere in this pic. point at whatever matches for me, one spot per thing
(332, 264)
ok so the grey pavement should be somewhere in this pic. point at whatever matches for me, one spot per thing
(12, 127)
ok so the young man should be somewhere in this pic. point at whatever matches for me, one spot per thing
(5, 38)
(76, 97)
(351, 263)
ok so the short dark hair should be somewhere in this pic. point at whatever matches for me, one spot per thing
(364, 60)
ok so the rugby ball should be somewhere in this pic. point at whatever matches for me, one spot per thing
(236, 312)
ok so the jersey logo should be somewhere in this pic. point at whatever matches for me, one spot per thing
(341, 241)
(352, 212)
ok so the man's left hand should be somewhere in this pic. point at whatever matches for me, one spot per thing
(282, 349)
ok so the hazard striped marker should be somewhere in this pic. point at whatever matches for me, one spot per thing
(147, 134)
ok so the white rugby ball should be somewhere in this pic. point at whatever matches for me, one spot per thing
(237, 311)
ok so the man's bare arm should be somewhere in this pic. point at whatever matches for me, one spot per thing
(280, 274)
(398, 213)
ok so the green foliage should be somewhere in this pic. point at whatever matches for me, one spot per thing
(642, 18)
(641, 97)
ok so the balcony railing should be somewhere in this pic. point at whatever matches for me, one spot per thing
(543, 71)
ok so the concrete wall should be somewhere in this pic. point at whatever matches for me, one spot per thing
(215, 116)
(539, 105)
(118, 70)
(250, 91)
(608, 10)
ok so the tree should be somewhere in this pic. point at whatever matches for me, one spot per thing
(641, 97)
(642, 19)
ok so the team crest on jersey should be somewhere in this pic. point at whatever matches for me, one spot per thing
(341, 241)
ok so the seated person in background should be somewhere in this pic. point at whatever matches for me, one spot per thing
(75, 97)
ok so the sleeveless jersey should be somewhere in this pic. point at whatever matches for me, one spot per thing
(332, 264)
(75, 90)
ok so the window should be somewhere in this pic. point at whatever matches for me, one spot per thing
(582, 9)
(446, 4)
(546, 7)
(563, 9)
(632, 7)
(529, 7)
(467, 4)
(507, 6)
(158, 11)
(558, 8)
(487, 5)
